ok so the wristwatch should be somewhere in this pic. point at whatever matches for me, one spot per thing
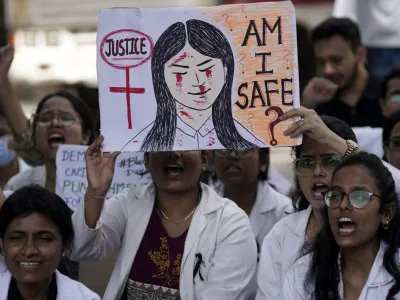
(351, 148)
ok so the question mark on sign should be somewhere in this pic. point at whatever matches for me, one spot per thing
(243, 7)
(272, 124)
(249, 120)
(240, 62)
(287, 60)
(226, 20)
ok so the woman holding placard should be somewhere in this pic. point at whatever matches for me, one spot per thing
(356, 255)
(175, 233)
(326, 141)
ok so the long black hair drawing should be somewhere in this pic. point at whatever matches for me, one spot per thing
(209, 41)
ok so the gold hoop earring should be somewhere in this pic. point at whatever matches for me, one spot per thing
(385, 225)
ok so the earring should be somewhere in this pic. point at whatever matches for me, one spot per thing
(385, 225)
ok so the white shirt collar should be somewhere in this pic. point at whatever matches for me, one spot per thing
(204, 130)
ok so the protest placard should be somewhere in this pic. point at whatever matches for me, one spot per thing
(71, 180)
(198, 77)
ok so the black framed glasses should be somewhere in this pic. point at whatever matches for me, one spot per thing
(306, 166)
(240, 153)
(357, 199)
(65, 118)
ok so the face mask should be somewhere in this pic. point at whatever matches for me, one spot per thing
(6, 155)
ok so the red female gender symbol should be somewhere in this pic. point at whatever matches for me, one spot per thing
(126, 49)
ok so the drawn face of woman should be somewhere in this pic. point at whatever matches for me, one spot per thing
(194, 80)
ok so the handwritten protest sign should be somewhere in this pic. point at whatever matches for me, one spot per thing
(197, 78)
(71, 181)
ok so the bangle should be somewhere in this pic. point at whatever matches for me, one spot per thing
(95, 196)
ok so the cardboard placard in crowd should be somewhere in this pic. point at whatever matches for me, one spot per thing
(71, 180)
(190, 78)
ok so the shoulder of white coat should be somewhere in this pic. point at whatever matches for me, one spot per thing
(67, 288)
(283, 202)
(297, 273)
(25, 178)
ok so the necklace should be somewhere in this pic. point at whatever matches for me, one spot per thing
(185, 219)
(173, 222)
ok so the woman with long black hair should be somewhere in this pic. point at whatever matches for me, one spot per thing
(356, 254)
(193, 69)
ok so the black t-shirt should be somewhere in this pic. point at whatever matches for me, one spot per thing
(367, 112)
(14, 293)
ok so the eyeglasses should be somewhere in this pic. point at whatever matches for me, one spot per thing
(240, 153)
(65, 118)
(357, 199)
(394, 144)
(306, 166)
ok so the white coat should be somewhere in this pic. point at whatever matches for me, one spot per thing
(67, 288)
(377, 286)
(219, 230)
(269, 208)
(280, 249)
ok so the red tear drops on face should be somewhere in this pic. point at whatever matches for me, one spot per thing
(179, 81)
(202, 88)
(209, 75)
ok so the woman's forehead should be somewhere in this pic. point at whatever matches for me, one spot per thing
(312, 148)
(58, 103)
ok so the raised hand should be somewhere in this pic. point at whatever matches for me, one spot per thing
(319, 90)
(99, 168)
(312, 125)
(6, 58)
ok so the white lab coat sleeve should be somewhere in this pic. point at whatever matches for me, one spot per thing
(345, 9)
(370, 139)
(269, 267)
(95, 244)
(234, 261)
(289, 291)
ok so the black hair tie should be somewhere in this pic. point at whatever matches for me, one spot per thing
(197, 267)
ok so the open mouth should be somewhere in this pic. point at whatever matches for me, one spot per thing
(55, 139)
(318, 189)
(346, 226)
(173, 169)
